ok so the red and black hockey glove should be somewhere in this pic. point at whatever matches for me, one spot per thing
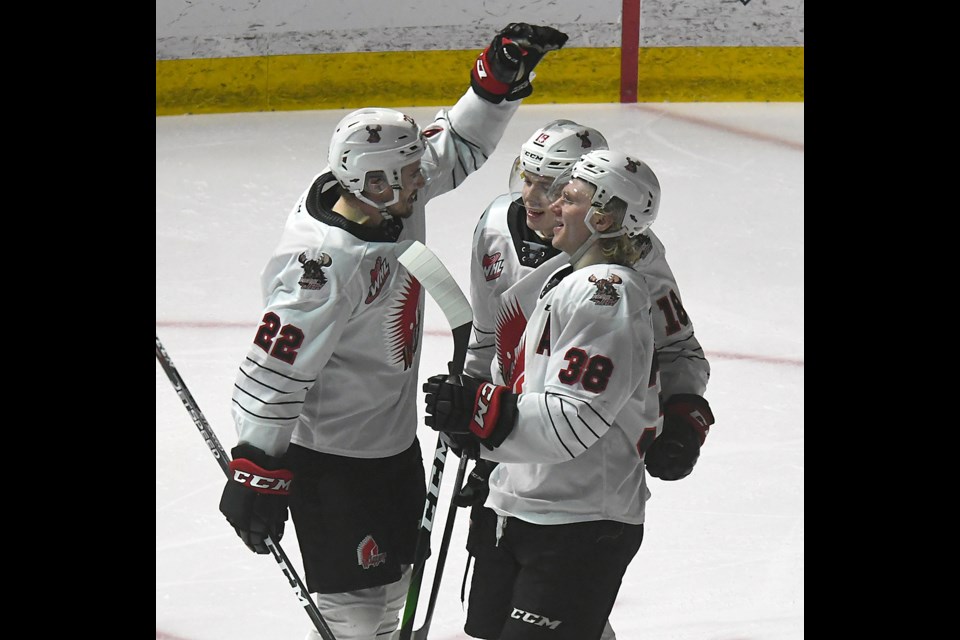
(255, 497)
(475, 491)
(461, 405)
(503, 69)
(686, 421)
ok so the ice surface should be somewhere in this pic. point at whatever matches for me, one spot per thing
(722, 555)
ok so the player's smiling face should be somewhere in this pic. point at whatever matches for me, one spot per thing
(569, 210)
(535, 201)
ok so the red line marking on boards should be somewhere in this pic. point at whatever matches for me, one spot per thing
(441, 333)
(629, 50)
(746, 133)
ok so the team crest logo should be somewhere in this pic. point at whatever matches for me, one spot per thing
(313, 276)
(403, 325)
(374, 133)
(631, 165)
(584, 140)
(368, 553)
(492, 266)
(378, 276)
(606, 295)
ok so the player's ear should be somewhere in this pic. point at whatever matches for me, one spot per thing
(376, 183)
(602, 221)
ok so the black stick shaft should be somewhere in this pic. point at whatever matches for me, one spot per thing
(217, 450)
(423, 541)
(461, 337)
(421, 633)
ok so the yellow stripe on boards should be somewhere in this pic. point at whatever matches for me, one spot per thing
(720, 74)
(428, 78)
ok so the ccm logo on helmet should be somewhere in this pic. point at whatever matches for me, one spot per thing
(532, 156)
(535, 619)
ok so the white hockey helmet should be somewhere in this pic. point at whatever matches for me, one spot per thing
(374, 139)
(552, 149)
(615, 175)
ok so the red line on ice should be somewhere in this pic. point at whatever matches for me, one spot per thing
(719, 355)
(798, 146)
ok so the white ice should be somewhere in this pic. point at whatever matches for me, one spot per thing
(722, 555)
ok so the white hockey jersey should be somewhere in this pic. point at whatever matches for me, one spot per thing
(334, 364)
(505, 250)
(590, 400)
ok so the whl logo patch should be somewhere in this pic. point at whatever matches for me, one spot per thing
(492, 266)
(378, 276)
(368, 553)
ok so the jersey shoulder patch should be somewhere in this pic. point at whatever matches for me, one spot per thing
(314, 263)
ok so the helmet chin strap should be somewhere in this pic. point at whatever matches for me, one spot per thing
(594, 236)
(381, 206)
(583, 248)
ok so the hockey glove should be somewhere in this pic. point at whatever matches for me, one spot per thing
(255, 498)
(462, 444)
(462, 405)
(504, 69)
(686, 422)
(475, 491)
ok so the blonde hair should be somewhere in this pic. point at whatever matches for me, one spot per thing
(623, 249)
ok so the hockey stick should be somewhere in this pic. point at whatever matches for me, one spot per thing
(217, 450)
(426, 267)
(421, 633)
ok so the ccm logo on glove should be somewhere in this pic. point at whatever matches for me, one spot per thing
(261, 480)
(485, 420)
(696, 415)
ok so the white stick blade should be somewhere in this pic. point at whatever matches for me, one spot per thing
(433, 275)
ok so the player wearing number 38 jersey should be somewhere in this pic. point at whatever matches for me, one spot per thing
(512, 238)
(570, 490)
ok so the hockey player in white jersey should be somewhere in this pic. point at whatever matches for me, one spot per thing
(325, 399)
(513, 235)
(571, 422)
(512, 238)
